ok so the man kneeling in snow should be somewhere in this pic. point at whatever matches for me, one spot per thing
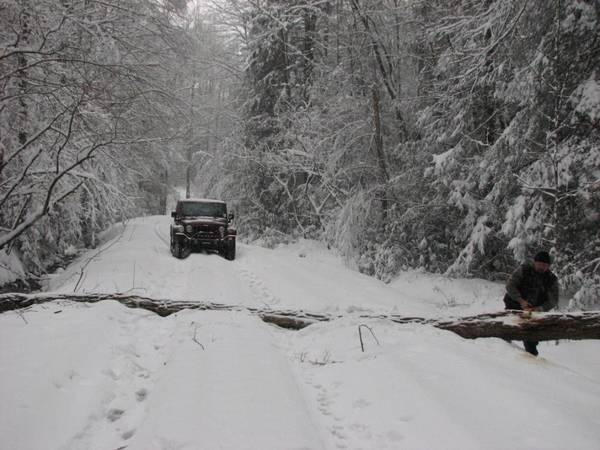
(532, 287)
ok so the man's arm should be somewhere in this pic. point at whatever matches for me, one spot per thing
(512, 283)
(552, 297)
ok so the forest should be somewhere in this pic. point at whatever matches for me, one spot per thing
(450, 136)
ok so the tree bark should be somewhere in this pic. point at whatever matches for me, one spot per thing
(518, 325)
(310, 28)
(383, 59)
(23, 114)
(384, 176)
(513, 325)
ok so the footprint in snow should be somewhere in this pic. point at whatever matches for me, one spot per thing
(361, 403)
(406, 418)
(114, 414)
(260, 291)
(338, 434)
(325, 411)
(111, 374)
(358, 427)
(141, 395)
(128, 434)
(394, 436)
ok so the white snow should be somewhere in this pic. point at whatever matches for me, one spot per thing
(588, 96)
(103, 376)
(11, 268)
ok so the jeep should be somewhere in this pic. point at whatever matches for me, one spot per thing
(202, 223)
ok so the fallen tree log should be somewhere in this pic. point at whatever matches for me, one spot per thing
(510, 325)
(519, 325)
(163, 308)
(287, 319)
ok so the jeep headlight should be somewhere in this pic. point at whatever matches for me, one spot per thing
(222, 231)
(189, 228)
(178, 228)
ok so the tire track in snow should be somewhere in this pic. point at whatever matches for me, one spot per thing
(159, 234)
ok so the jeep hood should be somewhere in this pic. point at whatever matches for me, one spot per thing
(204, 221)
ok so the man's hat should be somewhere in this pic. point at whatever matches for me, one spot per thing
(543, 256)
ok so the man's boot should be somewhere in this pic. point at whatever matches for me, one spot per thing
(531, 347)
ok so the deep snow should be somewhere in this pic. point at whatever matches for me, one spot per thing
(103, 376)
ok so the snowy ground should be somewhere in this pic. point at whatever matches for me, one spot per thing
(102, 376)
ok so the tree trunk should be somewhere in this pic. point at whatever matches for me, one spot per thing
(516, 325)
(383, 63)
(513, 325)
(164, 191)
(23, 114)
(310, 27)
(384, 176)
(189, 152)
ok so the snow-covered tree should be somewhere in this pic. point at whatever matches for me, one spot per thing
(85, 101)
(455, 136)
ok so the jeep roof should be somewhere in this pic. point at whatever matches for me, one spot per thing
(200, 200)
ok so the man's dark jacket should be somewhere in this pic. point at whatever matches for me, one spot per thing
(538, 289)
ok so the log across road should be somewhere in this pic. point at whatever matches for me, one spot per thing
(510, 325)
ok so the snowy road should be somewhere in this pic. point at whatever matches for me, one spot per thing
(102, 376)
(137, 260)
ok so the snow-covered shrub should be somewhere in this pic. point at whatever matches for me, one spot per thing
(11, 267)
(351, 231)
(587, 296)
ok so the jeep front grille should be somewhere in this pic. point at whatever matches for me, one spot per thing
(203, 233)
(206, 236)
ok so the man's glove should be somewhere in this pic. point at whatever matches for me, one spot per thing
(526, 305)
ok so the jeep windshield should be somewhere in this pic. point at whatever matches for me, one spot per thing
(198, 209)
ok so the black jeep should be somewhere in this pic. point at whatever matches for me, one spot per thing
(202, 223)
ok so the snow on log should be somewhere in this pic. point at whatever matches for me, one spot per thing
(295, 320)
(512, 325)
(163, 308)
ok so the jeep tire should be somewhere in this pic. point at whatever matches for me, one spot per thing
(178, 249)
(229, 250)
